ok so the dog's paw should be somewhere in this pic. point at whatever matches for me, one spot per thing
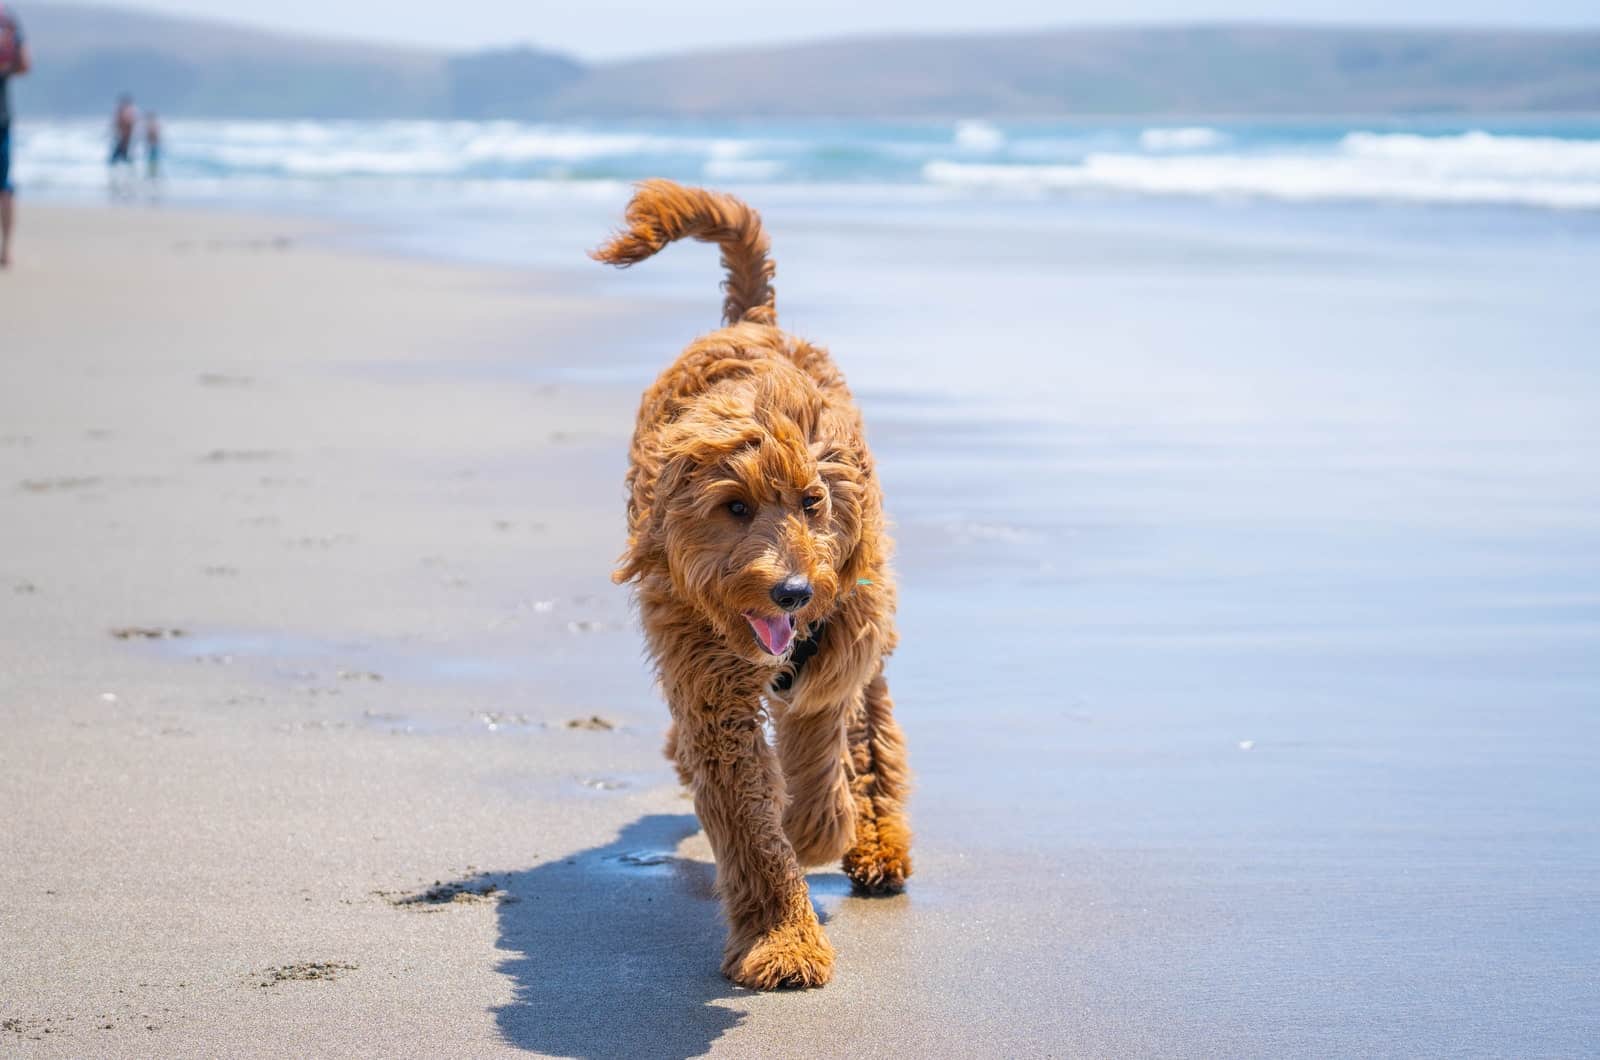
(790, 957)
(876, 868)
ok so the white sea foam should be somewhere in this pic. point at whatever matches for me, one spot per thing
(357, 149)
(1473, 168)
(1187, 138)
(522, 144)
(751, 169)
(979, 137)
(1535, 157)
(371, 162)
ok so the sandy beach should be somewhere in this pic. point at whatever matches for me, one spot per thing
(1247, 669)
(305, 640)
(210, 432)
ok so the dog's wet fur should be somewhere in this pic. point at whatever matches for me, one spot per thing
(755, 523)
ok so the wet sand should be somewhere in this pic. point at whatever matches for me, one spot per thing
(1247, 667)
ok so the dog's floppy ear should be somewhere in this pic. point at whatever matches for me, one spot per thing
(646, 548)
(857, 508)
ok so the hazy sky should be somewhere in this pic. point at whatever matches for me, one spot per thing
(611, 28)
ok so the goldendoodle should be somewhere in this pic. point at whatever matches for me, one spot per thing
(756, 538)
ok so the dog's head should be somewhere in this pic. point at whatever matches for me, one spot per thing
(757, 510)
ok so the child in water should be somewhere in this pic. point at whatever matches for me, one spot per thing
(152, 145)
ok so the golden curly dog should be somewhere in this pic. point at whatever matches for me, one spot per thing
(756, 538)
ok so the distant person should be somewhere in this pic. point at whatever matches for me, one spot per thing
(123, 124)
(152, 145)
(14, 62)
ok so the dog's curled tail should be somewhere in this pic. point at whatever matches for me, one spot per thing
(663, 212)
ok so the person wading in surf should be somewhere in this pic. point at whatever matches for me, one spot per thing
(14, 62)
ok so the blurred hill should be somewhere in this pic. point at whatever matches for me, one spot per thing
(84, 55)
(1209, 70)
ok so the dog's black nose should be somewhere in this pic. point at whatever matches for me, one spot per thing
(792, 594)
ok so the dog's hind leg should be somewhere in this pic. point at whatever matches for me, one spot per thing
(774, 939)
(820, 818)
(880, 859)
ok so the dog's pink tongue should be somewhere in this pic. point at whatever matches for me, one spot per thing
(774, 633)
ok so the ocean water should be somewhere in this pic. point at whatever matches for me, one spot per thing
(1247, 485)
(1548, 163)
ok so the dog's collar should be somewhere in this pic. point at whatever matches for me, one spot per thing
(803, 651)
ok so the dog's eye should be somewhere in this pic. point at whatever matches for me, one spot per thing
(739, 508)
(811, 503)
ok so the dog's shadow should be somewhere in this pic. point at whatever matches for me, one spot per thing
(614, 950)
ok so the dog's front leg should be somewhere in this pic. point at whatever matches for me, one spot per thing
(774, 939)
(820, 816)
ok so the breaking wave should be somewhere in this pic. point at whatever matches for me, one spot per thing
(1468, 168)
(1190, 138)
(1558, 169)
(978, 137)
